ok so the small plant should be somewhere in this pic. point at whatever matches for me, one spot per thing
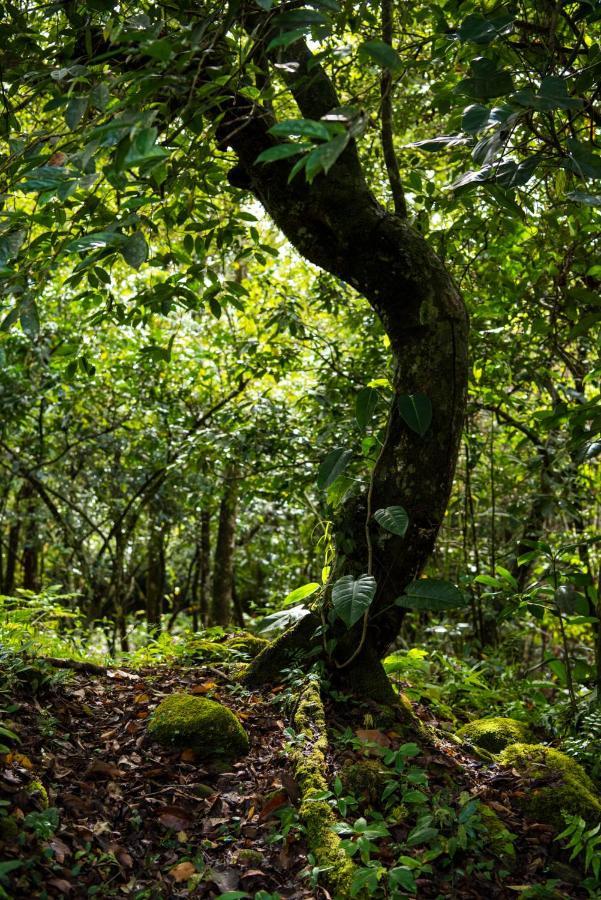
(583, 841)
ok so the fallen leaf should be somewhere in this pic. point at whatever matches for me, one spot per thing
(374, 736)
(188, 756)
(18, 759)
(59, 849)
(275, 802)
(182, 871)
(57, 159)
(203, 688)
(175, 817)
(61, 885)
(101, 769)
(141, 698)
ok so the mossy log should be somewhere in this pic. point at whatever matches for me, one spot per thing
(317, 815)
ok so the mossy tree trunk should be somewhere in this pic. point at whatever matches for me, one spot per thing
(336, 223)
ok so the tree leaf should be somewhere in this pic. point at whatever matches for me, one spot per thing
(281, 151)
(352, 597)
(416, 411)
(474, 117)
(381, 53)
(393, 519)
(365, 406)
(135, 250)
(310, 128)
(432, 594)
(322, 158)
(300, 593)
(75, 111)
(333, 465)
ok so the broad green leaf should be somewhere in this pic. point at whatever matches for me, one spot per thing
(416, 411)
(135, 250)
(585, 198)
(479, 30)
(75, 111)
(365, 406)
(332, 466)
(393, 519)
(440, 143)
(282, 619)
(351, 597)
(95, 241)
(381, 53)
(301, 593)
(281, 151)
(30, 319)
(486, 81)
(474, 117)
(310, 128)
(322, 158)
(432, 594)
(585, 162)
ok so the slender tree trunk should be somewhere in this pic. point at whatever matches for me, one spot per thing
(204, 565)
(155, 573)
(30, 541)
(223, 567)
(12, 553)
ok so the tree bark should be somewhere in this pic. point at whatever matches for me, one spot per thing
(223, 567)
(155, 573)
(336, 223)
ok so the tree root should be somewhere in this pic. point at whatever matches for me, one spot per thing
(87, 667)
(316, 815)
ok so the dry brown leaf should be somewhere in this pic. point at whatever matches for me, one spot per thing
(18, 759)
(101, 769)
(61, 884)
(141, 698)
(59, 848)
(175, 817)
(182, 871)
(275, 802)
(374, 736)
(203, 688)
(188, 756)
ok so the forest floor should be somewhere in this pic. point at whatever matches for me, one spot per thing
(103, 811)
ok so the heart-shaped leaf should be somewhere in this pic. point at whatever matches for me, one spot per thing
(432, 594)
(352, 596)
(333, 466)
(393, 519)
(416, 411)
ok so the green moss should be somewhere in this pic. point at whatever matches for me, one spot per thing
(211, 729)
(247, 643)
(365, 780)
(558, 783)
(316, 815)
(9, 828)
(495, 734)
(37, 790)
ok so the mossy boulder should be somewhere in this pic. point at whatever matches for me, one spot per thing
(247, 643)
(365, 780)
(207, 727)
(495, 734)
(559, 783)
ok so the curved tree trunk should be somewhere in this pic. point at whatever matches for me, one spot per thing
(336, 223)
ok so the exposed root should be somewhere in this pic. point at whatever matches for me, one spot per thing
(316, 815)
(87, 668)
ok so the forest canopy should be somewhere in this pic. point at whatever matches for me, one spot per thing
(299, 354)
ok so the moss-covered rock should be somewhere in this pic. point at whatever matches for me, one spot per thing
(495, 734)
(211, 729)
(558, 783)
(247, 643)
(365, 780)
